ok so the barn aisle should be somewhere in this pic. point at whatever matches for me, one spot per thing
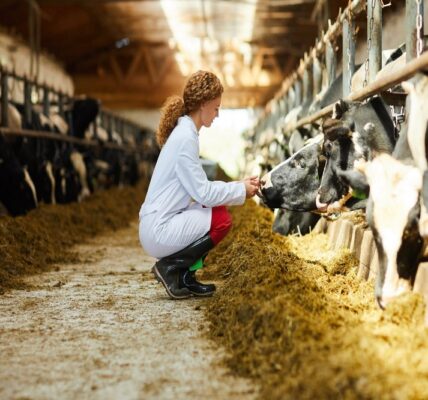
(103, 329)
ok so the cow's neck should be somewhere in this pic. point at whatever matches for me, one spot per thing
(384, 118)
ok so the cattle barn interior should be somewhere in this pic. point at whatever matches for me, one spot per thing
(321, 283)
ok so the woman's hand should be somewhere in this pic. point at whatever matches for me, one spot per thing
(252, 185)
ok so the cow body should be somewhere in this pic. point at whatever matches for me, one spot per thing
(17, 191)
(395, 185)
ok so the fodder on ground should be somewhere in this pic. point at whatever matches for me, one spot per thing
(32, 243)
(295, 318)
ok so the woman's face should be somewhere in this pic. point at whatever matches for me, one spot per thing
(209, 111)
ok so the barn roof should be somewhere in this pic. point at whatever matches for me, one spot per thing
(134, 53)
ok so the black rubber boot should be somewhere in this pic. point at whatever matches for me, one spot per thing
(166, 272)
(167, 269)
(187, 279)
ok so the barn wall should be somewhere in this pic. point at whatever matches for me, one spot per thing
(15, 56)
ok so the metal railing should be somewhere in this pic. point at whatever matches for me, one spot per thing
(306, 82)
(46, 97)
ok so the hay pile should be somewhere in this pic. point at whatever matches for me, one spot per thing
(295, 318)
(32, 243)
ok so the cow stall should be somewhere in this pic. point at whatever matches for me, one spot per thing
(354, 141)
(59, 149)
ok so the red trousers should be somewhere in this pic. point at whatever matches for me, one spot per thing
(221, 222)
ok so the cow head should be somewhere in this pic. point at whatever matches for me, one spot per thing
(393, 214)
(355, 133)
(84, 112)
(293, 184)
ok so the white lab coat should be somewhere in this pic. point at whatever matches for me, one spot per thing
(172, 215)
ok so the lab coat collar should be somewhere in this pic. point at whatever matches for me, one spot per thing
(192, 124)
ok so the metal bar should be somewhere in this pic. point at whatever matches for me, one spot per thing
(109, 123)
(317, 77)
(4, 99)
(298, 93)
(414, 66)
(61, 104)
(330, 59)
(374, 37)
(5, 74)
(334, 30)
(348, 54)
(413, 8)
(308, 88)
(291, 98)
(46, 101)
(65, 138)
(27, 102)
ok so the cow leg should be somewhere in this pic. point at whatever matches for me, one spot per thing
(423, 220)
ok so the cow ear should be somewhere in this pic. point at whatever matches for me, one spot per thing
(339, 108)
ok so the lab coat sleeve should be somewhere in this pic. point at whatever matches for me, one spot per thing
(192, 176)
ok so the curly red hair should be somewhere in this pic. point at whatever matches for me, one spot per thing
(202, 86)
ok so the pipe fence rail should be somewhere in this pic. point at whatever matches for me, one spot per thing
(307, 82)
(46, 97)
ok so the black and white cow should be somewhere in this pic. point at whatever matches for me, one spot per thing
(393, 187)
(293, 184)
(355, 133)
(294, 222)
(396, 190)
(417, 90)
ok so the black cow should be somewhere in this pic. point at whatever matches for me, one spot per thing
(17, 191)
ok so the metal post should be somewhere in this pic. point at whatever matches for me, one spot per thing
(283, 105)
(317, 76)
(27, 102)
(298, 91)
(109, 123)
(94, 128)
(4, 99)
(330, 59)
(348, 56)
(307, 84)
(46, 102)
(291, 98)
(61, 104)
(374, 38)
(305, 79)
(414, 27)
